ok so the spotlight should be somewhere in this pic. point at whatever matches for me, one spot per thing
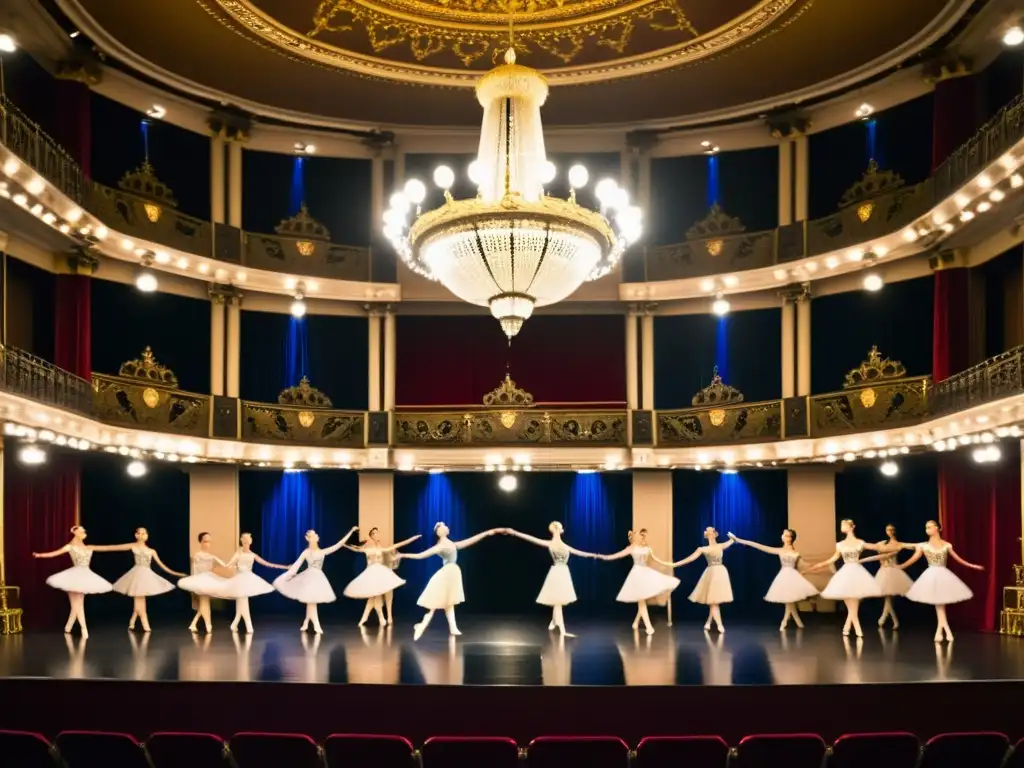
(864, 111)
(984, 206)
(8, 44)
(32, 455)
(156, 112)
(720, 306)
(1016, 181)
(873, 282)
(146, 282)
(304, 149)
(136, 469)
(508, 483)
(1012, 37)
(889, 468)
(987, 455)
(298, 307)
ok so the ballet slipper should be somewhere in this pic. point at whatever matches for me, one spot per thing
(552, 626)
(938, 635)
(799, 623)
(650, 631)
(707, 625)
(417, 632)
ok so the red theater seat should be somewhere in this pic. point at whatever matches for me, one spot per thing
(981, 749)
(877, 750)
(795, 750)
(469, 752)
(27, 750)
(577, 751)
(343, 750)
(99, 749)
(682, 752)
(196, 750)
(275, 750)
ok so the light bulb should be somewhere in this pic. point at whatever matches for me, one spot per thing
(7, 44)
(415, 191)
(32, 455)
(578, 176)
(508, 483)
(620, 199)
(889, 468)
(605, 191)
(547, 172)
(444, 177)
(475, 173)
(394, 217)
(720, 306)
(136, 469)
(1013, 37)
(146, 282)
(873, 282)
(298, 308)
(399, 202)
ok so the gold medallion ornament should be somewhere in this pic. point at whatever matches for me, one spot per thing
(508, 419)
(715, 394)
(306, 418)
(155, 195)
(307, 397)
(717, 417)
(508, 395)
(305, 230)
(868, 397)
(151, 397)
(864, 212)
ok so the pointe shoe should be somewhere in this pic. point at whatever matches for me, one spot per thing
(145, 628)
(567, 634)
(85, 634)
(552, 626)
(636, 624)
(895, 624)
(782, 626)
(131, 626)
(193, 629)
(938, 636)
(68, 628)
(721, 629)
(949, 636)
(417, 632)
(859, 633)
(317, 629)
(846, 633)
(650, 631)
(454, 631)
(799, 624)
(881, 622)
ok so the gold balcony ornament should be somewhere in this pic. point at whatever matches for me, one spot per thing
(305, 230)
(716, 393)
(513, 247)
(873, 184)
(146, 369)
(864, 211)
(713, 227)
(508, 396)
(714, 247)
(155, 195)
(875, 368)
(304, 395)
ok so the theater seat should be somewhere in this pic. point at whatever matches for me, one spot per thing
(794, 750)
(981, 749)
(577, 751)
(273, 750)
(195, 750)
(344, 750)
(682, 752)
(469, 752)
(27, 750)
(100, 749)
(875, 750)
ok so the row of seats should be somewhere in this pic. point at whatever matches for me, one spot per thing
(89, 749)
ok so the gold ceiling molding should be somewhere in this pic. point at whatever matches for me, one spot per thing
(475, 32)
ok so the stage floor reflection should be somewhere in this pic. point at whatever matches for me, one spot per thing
(505, 651)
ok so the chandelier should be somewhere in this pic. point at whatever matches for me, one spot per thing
(513, 247)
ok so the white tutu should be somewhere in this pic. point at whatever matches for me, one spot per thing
(375, 581)
(310, 586)
(207, 584)
(939, 586)
(78, 578)
(789, 586)
(443, 590)
(558, 588)
(713, 587)
(140, 581)
(644, 583)
(893, 581)
(851, 582)
(244, 584)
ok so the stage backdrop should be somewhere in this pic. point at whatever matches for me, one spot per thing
(277, 508)
(504, 574)
(455, 360)
(754, 506)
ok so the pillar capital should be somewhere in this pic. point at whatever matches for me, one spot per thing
(230, 125)
(224, 294)
(788, 126)
(949, 258)
(947, 68)
(795, 293)
(379, 141)
(83, 260)
(641, 141)
(82, 69)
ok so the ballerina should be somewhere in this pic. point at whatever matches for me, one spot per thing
(204, 583)
(557, 590)
(378, 579)
(643, 582)
(245, 584)
(938, 585)
(851, 583)
(141, 582)
(892, 581)
(78, 580)
(311, 587)
(789, 587)
(444, 590)
(714, 588)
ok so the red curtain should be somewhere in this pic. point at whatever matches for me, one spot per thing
(74, 121)
(981, 514)
(72, 325)
(951, 323)
(956, 114)
(40, 507)
(455, 360)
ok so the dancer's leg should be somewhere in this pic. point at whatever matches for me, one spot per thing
(242, 604)
(553, 624)
(419, 629)
(943, 622)
(886, 610)
(794, 611)
(854, 608)
(308, 618)
(559, 621)
(716, 613)
(449, 614)
(849, 616)
(711, 616)
(645, 617)
(205, 612)
(194, 625)
(785, 618)
(80, 613)
(140, 611)
(314, 616)
(366, 612)
(238, 614)
(378, 606)
(389, 598)
(72, 613)
(636, 620)
(892, 613)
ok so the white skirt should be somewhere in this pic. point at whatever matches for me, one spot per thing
(140, 581)
(893, 581)
(207, 584)
(851, 582)
(789, 586)
(644, 583)
(375, 581)
(558, 588)
(714, 587)
(245, 584)
(78, 578)
(939, 586)
(309, 587)
(444, 589)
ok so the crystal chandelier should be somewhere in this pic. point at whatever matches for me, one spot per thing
(512, 248)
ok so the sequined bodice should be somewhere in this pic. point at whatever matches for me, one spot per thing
(936, 557)
(713, 556)
(390, 560)
(889, 561)
(315, 559)
(203, 562)
(640, 555)
(80, 557)
(850, 554)
(448, 553)
(374, 556)
(244, 561)
(789, 559)
(143, 557)
(559, 553)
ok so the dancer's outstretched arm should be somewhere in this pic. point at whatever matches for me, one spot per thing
(918, 552)
(727, 544)
(266, 564)
(55, 553)
(755, 545)
(686, 560)
(422, 555)
(873, 558)
(158, 561)
(399, 545)
(964, 563)
(479, 537)
(111, 547)
(294, 567)
(580, 552)
(618, 555)
(823, 563)
(529, 538)
(335, 547)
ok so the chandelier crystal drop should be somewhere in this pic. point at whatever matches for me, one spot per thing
(513, 247)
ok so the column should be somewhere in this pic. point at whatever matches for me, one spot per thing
(235, 183)
(218, 322)
(373, 362)
(377, 504)
(3, 552)
(803, 343)
(785, 182)
(217, 179)
(788, 347)
(647, 352)
(812, 514)
(652, 509)
(234, 345)
(801, 183)
(390, 359)
(213, 506)
(632, 368)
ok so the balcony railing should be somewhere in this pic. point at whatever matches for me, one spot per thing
(32, 377)
(525, 426)
(36, 148)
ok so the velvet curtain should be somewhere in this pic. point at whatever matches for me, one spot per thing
(74, 121)
(72, 342)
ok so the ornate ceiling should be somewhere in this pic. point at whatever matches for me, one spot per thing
(413, 61)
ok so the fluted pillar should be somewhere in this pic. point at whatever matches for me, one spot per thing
(390, 360)
(234, 345)
(785, 183)
(218, 339)
(803, 344)
(647, 357)
(788, 347)
(374, 361)
(235, 183)
(801, 180)
(632, 363)
(217, 179)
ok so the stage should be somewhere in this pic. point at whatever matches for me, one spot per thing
(507, 676)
